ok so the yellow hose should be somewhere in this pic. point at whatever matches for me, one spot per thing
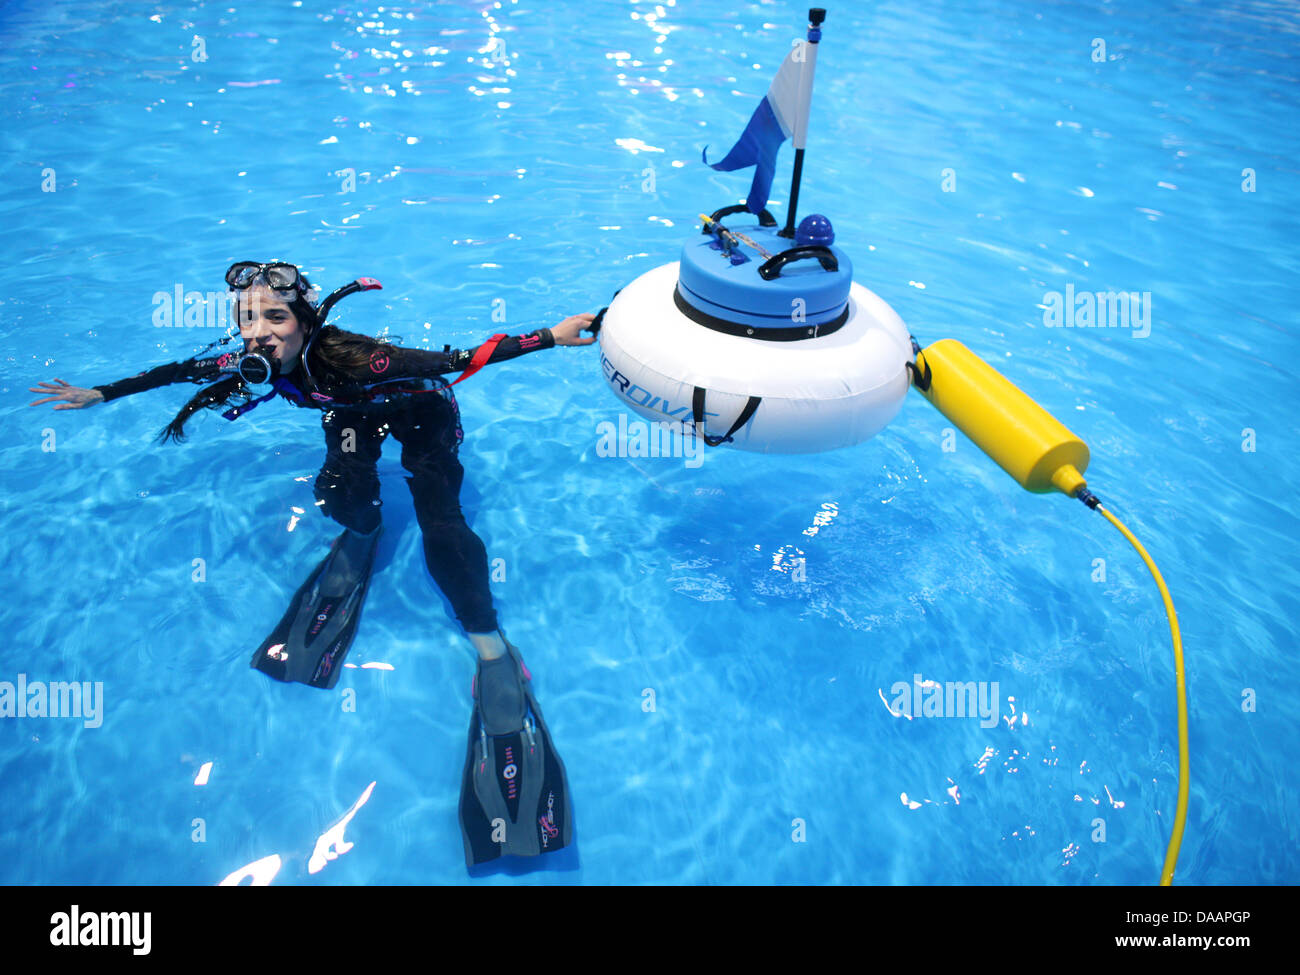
(1180, 814)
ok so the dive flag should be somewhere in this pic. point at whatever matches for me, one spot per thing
(782, 113)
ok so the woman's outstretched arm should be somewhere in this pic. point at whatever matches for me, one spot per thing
(76, 398)
(569, 331)
(412, 362)
(73, 397)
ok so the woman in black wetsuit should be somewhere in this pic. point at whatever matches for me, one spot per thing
(366, 390)
(514, 793)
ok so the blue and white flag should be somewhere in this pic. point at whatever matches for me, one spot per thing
(782, 114)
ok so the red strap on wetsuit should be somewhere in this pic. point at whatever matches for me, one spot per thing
(481, 357)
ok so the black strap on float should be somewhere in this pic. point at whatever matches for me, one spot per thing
(921, 379)
(788, 334)
(697, 409)
(771, 269)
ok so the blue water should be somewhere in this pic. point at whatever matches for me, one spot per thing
(723, 721)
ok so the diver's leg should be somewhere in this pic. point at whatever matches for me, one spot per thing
(514, 792)
(455, 555)
(347, 487)
(312, 639)
(347, 490)
(489, 646)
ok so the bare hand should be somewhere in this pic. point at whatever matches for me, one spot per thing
(75, 398)
(569, 330)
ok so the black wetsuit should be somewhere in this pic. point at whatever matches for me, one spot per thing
(417, 408)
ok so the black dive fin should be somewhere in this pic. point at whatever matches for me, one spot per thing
(313, 637)
(514, 796)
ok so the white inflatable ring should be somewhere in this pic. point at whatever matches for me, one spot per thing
(817, 394)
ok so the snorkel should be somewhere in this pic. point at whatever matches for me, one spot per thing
(322, 310)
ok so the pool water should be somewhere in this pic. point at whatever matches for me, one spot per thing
(720, 649)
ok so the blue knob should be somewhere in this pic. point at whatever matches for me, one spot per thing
(814, 229)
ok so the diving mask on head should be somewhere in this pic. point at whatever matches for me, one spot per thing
(278, 276)
(283, 277)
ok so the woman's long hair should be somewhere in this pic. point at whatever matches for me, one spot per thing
(335, 357)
